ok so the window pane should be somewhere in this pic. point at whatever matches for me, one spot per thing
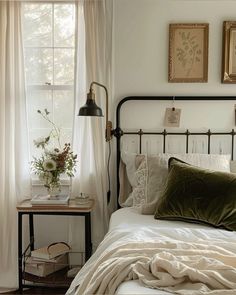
(37, 24)
(64, 66)
(38, 65)
(63, 102)
(38, 100)
(64, 25)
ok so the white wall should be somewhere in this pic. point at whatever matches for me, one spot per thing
(141, 45)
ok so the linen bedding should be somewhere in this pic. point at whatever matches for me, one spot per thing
(141, 255)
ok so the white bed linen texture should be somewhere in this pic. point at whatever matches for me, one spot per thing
(141, 255)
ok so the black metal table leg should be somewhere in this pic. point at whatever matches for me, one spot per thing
(31, 230)
(20, 251)
(88, 242)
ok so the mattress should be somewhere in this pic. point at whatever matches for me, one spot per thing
(127, 217)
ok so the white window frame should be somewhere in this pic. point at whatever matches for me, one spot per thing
(49, 86)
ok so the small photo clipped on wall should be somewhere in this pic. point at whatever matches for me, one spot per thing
(172, 117)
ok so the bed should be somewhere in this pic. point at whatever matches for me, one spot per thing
(170, 253)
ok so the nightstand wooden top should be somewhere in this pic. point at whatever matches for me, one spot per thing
(26, 206)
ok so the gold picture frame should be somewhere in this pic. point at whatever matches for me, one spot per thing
(188, 52)
(229, 52)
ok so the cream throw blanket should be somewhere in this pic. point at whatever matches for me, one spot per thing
(189, 268)
(175, 257)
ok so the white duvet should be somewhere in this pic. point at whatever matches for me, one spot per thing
(176, 257)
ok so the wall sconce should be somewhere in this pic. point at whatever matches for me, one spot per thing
(92, 109)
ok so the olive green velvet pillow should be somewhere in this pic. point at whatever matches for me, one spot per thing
(198, 195)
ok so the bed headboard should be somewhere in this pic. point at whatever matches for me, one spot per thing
(188, 136)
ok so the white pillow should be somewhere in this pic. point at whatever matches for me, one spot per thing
(131, 162)
(206, 161)
(151, 175)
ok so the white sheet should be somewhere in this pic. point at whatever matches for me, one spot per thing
(126, 224)
(126, 217)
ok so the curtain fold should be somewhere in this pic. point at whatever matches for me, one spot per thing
(93, 63)
(14, 159)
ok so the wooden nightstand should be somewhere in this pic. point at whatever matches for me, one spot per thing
(72, 209)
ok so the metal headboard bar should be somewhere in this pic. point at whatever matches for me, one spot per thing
(118, 132)
(187, 133)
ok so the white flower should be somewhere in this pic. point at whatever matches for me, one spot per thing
(51, 152)
(49, 165)
(40, 142)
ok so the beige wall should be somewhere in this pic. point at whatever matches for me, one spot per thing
(141, 45)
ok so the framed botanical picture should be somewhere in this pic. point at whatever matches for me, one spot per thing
(188, 52)
(229, 52)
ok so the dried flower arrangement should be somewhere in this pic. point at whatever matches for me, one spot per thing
(53, 162)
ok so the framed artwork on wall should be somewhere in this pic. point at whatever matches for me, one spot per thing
(188, 52)
(229, 52)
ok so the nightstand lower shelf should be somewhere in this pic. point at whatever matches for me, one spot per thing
(72, 209)
(56, 279)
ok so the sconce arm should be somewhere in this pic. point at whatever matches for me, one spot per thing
(108, 134)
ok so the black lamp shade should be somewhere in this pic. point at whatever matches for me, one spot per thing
(90, 109)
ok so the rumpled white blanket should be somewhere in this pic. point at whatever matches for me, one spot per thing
(186, 261)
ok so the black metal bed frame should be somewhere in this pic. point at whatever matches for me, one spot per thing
(118, 132)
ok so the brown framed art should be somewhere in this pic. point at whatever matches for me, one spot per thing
(188, 52)
(229, 52)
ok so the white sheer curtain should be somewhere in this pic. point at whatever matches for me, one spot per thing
(93, 64)
(14, 170)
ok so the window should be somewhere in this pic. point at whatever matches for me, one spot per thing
(49, 47)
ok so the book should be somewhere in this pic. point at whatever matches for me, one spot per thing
(51, 251)
(51, 260)
(43, 268)
(47, 200)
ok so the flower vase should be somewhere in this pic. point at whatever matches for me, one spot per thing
(53, 191)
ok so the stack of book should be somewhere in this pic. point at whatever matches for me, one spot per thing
(47, 200)
(47, 260)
